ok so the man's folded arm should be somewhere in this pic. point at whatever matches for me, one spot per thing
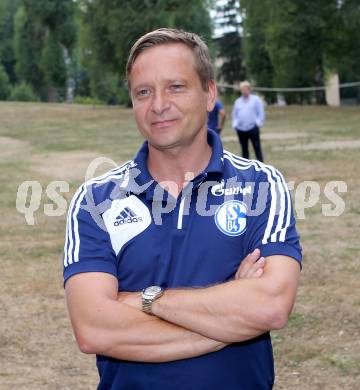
(237, 310)
(104, 325)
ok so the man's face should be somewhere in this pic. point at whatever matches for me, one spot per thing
(245, 91)
(169, 103)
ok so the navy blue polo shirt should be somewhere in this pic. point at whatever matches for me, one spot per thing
(125, 224)
(213, 116)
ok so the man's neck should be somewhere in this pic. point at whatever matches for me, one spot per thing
(180, 164)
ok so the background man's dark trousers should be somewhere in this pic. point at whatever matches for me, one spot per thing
(254, 136)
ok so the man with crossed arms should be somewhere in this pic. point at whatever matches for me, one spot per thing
(166, 300)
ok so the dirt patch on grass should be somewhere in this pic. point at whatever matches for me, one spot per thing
(324, 145)
(281, 136)
(71, 166)
(270, 136)
(11, 148)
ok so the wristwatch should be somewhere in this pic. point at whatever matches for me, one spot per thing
(148, 296)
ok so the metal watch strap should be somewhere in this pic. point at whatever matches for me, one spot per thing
(147, 305)
(149, 295)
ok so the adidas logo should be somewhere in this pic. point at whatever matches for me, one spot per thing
(127, 216)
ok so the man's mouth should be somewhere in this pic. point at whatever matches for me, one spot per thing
(163, 123)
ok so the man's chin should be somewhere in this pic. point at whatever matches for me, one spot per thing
(170, 139)
(164, 144)
(163, 138)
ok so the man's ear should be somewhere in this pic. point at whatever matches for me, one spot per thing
(212, 95)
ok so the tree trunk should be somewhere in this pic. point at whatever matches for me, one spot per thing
(52, 94)
(319, 82)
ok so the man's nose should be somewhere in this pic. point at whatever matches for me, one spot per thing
(160, 102)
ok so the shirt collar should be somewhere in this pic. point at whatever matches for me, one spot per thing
(141, 162)
(145, 182)
(216, 163)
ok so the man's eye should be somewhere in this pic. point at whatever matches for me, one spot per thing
(143, 92)
(176, 87)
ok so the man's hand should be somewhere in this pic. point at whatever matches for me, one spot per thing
(251, 267)
(237, 310)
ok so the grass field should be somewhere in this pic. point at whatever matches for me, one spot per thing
(320, 348)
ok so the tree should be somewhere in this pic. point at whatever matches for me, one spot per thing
(4, 83)
(231, 53)
(8, 9)
(291, 41)
(345, 53)
(229, 45)
(44, 32)
(53, 65)
(28, 45)
(255, 17)
(110, 27)
(298, 38)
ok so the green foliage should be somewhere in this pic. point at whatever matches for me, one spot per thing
(104, 85)
(230, 51)
(28, 45)
(4, 84)
(229, 46)
(292, 44)
(123, 96)
(56, 16)
(345, 55)
(298, 39)
(23, 92)
(7, 12)
(52, 65)
(255, 15)
(191, 16)
(43, 30)
(114, 25)
(87, 100)
(110, 27)
(50, 44)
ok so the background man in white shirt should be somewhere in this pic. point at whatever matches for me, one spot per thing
(248, 117)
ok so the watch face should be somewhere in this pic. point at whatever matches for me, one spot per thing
(152, 291)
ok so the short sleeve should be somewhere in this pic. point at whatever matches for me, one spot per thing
(219, 105)
(272, 225)
(87, 243)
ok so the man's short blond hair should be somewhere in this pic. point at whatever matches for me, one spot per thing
(163, 36)
(245, 83)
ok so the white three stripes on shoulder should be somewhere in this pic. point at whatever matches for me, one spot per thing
(72, 240)
(280, 197)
